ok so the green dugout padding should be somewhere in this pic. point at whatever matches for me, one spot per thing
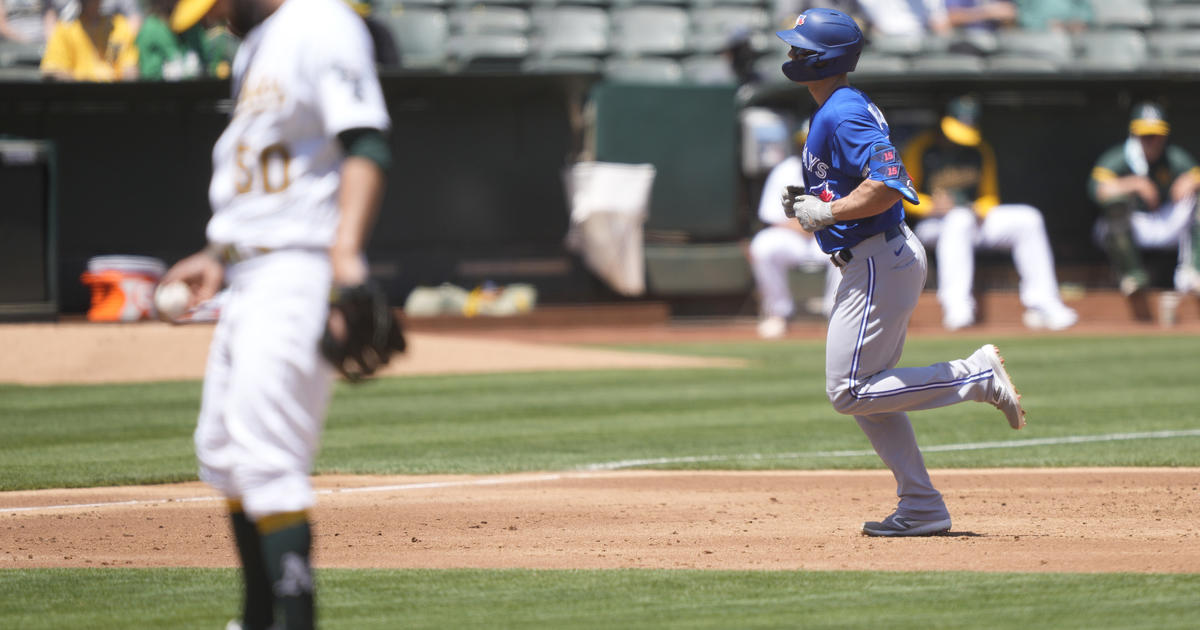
(689, 134)
(697, 269)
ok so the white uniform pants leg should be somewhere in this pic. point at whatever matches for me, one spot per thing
(773, 252)
(1020, 228)
(266, 387)
(1167, 227)
(875, 300)
(955, 250)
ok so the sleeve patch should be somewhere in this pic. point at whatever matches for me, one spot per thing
(885, 166)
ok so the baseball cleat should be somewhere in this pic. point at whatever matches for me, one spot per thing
(903, 526)
(1050, 319)
(772, 327)
(1006, 397)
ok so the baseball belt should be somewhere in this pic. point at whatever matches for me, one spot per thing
(842, 257)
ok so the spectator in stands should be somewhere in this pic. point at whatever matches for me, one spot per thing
(981, 15)
(954, 172)
(27, 21)
(739, 52)
(387, 53)
(783, 245)
(211, 17)
(165, 54)
(92, 47)
(131, 9)
(1055, 15)
(785, 11)
(906, 17)
(1146, 189)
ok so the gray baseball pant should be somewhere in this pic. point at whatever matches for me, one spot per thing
(878, 292)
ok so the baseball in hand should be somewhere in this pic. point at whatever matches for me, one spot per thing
(171, 300)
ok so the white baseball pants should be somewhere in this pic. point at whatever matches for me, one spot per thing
(876, 298)
(776, 250)
(266, 387)
(1015, 227)
(1164, 228)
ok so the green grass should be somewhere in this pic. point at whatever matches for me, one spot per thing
(104, 599)
(775, 409)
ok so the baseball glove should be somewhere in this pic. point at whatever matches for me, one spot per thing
(362, 332)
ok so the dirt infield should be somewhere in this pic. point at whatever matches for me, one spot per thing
(1075, 520)
(1079, 520)
(41, 354)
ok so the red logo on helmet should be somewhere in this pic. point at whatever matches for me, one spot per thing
(800, 20)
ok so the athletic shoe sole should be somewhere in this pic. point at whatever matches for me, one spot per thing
(907, 527)
(1010, 398)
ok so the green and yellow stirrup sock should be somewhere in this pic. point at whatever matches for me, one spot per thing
(258, 604)
(287, 545)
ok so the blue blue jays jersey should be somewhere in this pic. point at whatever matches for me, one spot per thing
(848, 142)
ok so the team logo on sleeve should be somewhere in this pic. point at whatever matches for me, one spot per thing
(352, 77)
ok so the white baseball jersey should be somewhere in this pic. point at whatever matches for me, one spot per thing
(789, 172)
(302, 76)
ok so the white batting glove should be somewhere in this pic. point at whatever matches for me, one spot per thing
(812, 213)
(791, 194)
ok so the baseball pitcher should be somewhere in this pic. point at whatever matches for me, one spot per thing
(297, 178)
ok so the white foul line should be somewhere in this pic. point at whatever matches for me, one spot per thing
(942, 448)
(658, 461)
(491, 481)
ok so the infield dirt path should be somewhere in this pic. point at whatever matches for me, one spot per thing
(1076, 520)
(1088, 520)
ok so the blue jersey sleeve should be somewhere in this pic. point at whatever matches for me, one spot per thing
(854, 142)
(867, 151)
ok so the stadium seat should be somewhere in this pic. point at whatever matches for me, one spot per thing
(1021, 64)
(487, 19)
(1178, 16)
(495, 51)
(382, 7)
(569, 65)
(713, 26)
(421, 34)
(1180, 63)
(870, 63)
(1110, 50)
(632, 3)
(568, 31)
(650, 30)
(20, 73)
(20, 54)
(708, 70)
(574, 3)
(949, 63)
(1053, 45)
(643, 70)
(1173, 43)
(894, 45)
(1121, 14)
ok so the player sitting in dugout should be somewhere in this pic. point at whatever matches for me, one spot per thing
(954, 171)
(1146, 189)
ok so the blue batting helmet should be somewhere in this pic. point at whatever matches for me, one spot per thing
(828, 43)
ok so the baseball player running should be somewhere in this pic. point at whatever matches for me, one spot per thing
(297, 180)
(854, 181)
